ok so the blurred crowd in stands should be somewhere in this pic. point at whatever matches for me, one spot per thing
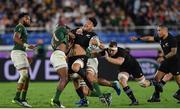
(110, 13)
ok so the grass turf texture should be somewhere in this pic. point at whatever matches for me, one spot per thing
(40, 93)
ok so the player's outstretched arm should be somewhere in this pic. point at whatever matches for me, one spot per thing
(143, 38)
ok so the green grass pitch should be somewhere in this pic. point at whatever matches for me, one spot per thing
(40, 93)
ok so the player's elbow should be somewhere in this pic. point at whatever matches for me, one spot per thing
(175, 51)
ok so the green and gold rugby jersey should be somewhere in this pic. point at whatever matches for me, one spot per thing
(23, 36)
(59, 36)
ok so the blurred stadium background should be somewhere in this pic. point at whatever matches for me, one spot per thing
(118, 20)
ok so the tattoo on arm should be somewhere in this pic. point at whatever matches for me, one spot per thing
(172, 53)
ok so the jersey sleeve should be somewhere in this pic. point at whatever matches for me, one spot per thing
(19, 29)
(121, 53)
(173, 42)
(60, 33)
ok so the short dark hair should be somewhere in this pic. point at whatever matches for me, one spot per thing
(21, 15)
(112, 43)
(163, 26)
(93, 20)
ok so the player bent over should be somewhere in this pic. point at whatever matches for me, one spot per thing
(19, 58)
(58, 60)
(127, 65)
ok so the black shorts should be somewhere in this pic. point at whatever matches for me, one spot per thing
(72, 59)
(170, 65)
(133, 68)
(178, 56)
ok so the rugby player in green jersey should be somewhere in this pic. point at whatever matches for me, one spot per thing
(58, 59)
(20, 60)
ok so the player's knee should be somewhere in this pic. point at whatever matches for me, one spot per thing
(143, 82)
(91, 76)
(122, 78)
(75, 67)
(167, 77)
(23, 76)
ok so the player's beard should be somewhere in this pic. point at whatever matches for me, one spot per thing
(26, 24)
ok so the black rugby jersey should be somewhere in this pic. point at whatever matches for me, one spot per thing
(122, 53)
(166, 44)
(84, 38)
(178, 45)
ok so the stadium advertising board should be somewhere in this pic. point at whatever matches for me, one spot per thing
(42, 70)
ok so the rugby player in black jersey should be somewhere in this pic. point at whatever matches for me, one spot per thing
(177, 94)
(169, 64)
(128, 65)
(77, 58)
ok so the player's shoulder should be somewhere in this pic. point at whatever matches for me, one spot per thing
(93, 33)
(19, 26)
(121, 49)
(171, 37)
(61, 29)
(178, 37)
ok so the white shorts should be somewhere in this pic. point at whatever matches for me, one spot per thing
(19, 58)
(58, 59)
(92, 64)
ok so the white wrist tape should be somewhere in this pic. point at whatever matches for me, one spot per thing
(26, 45)
(98, 42)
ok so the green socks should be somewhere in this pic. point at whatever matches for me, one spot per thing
(97, 91)
(17, 95)
(57, 95)
(24, 93)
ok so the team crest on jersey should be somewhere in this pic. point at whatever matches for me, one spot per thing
(87, 35)
(166, 44)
